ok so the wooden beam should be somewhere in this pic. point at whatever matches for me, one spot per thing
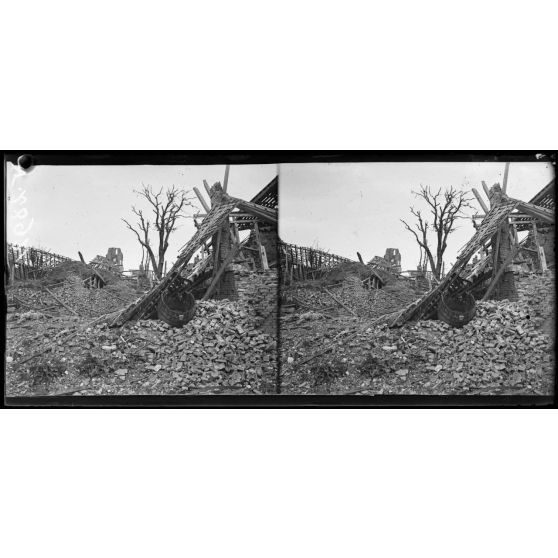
(226, 179)
(232, 214)
(480, 200)
(216, 247)
(360, 258)
(264, 213)
(505, 181)
(207, 189)
(486, 190)
(202, 201)
(541, 213)
(496, 253)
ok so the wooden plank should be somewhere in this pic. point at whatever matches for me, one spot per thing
(202, 201)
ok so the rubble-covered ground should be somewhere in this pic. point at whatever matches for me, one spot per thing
(362, 301)
(221, 350)
(506, 349)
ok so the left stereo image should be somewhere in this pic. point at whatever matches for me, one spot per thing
(141, 279)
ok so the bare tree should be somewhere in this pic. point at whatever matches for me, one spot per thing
(445, 209)
(166, 207)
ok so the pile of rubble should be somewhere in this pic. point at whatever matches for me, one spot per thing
(363, 302)
(219, 350)
(506, 349)
(74, 295)
(69, 269)
(259, 290)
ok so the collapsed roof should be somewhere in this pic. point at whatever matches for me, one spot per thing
(426, 305)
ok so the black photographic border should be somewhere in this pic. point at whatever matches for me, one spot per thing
(176, 157)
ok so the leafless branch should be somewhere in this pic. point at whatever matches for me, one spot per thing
(167, 207)
(445, 208)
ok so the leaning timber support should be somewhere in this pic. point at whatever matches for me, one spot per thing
(480, 200)
(220, 272)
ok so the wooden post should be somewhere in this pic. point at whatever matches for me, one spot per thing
(216, 245)
(263, 256)
(496, 254)
(226, 179)
(259, 244)
(505, 181)
(540, 249)
(486, 190)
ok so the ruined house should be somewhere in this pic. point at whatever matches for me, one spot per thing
(115, 258)
(220, 255)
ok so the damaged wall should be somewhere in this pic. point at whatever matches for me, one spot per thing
(260, 290)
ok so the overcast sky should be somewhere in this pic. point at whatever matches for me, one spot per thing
(348, 207)
(79, 208)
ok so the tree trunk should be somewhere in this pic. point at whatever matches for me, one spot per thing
(154, 264)
(433, 265)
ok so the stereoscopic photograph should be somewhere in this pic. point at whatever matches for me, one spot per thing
(417, 278)
(291, 279)
(141, 279)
